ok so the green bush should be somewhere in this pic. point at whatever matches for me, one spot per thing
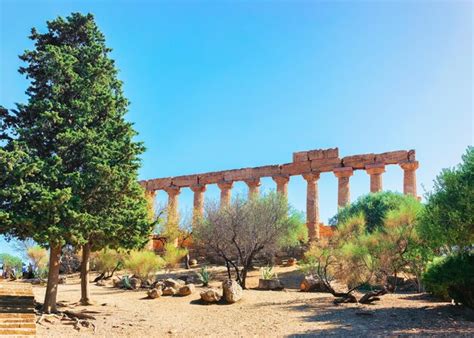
(374, 207)
(10, 262)
(452, 277)
(143, 264)
(107, 260)
(173, 254)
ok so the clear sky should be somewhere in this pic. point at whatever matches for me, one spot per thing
(218, 85)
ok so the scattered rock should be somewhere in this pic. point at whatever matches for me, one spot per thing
(101, 282)
(270, 284)
(174, 283)
(210, 296)
(186, 290)
(169, 291)
(117, 282)
(62, 279)
(193, 262)
(135, 283)
(154, 293)
(232, 291)
(312, 284)
(291, 261)
(158, 285)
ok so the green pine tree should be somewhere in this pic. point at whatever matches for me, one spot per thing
(68, 159)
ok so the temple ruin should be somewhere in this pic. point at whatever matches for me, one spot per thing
(309, 164)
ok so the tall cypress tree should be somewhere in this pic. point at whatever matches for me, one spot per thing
(69, 162)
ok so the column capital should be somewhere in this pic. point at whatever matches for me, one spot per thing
(311, 177)
(375, 168)
(413, 165)
(198, 188)
(253, 182)
(343, 172)
(225, 185)
(281, 179)
(172, 190)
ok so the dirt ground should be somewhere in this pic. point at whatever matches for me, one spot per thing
(259, 313)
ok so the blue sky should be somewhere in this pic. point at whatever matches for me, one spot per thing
(219, 85)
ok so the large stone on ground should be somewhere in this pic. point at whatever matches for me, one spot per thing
(62, 279)
(232, 291)
(193, 262)
(270, 284)
(154, 293)
(186, 290)
(169, 291)
(174, 283)
(158, 285)
(135, 283)
(117, 282)
(210, 296)
(312, 284)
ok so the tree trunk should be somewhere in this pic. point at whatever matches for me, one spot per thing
(49, 305)
(85, 292)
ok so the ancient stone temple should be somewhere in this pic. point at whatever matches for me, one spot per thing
(309, 164)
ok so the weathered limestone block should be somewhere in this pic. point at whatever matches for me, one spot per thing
(331, 153)
(154, 293)
(174, 283)
(265, 171)
(158, 183)
(232, 291)
(358, 161)
(169, 291)
(325, 164)
(238, 174)
(210, 296)
(211, 178)
(300, 156)
(186, 290)
(296, 168)
(185, 181)
(316, 154)
(392, 157)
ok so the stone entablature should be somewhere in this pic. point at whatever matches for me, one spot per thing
(309, 164)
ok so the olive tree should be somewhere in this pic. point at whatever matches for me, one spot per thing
(240, 232)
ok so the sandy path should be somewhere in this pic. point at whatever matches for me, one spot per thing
(260, 313)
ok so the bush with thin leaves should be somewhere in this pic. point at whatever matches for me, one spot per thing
(173, 254)
(38, 257)
(143, 264)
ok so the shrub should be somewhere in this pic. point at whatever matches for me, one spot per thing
(38, 257)
(173, 255)
(12, 265)
(374, 207)
(143, 264)
(452, 277)
(106, 261)
(204, 276)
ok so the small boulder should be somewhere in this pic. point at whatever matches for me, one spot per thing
(312, 284)
(158, 285)
(169, 291)
(174, 283)
(62, 279)
(135, 283)
(232, 291)
(193, 262)
(154, 293)
(101, 282)
(291, 261)
(210, 296)
(186, 290)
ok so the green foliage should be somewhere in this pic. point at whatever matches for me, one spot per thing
(374, 207)
(107, 260)
(10, 262)
(448, 220)
(173, 255)
(69, 165)
(143, 264)
(205, 276)
(268, 273)
(452, 277)
(126, 284)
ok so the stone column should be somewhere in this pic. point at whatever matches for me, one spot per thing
(343, 193)
(226, 189)
(254, 187)
(312, 205)
(282, 184)
(198, 205)
(409, 177)
(173, 194)
(375, 171)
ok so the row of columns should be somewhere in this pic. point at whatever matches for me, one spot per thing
(343, 175)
